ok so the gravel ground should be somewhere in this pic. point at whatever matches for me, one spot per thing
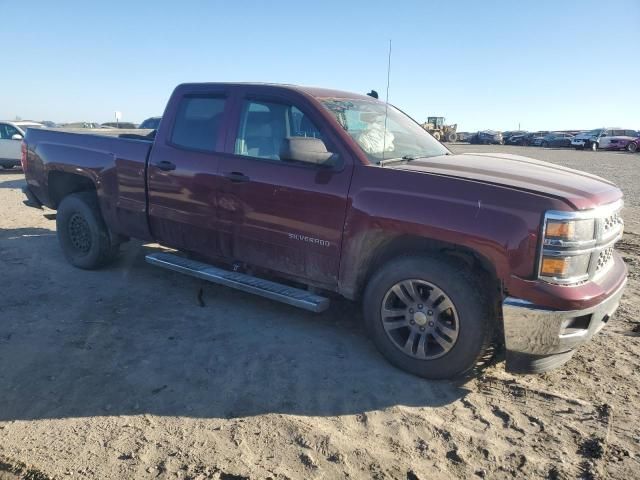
(135, 372)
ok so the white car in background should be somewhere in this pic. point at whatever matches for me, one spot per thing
(619, 139)
(11, 135)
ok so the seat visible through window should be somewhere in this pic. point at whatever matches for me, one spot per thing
(265, 125)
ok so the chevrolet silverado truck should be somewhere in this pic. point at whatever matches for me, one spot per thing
(302, 194)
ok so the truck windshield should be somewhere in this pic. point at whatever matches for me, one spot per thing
(364, 121)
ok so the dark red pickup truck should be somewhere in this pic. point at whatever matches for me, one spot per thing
(333, 192)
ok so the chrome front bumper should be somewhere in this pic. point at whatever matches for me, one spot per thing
(539, 339)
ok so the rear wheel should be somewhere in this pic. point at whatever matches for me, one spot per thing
(545, 145)
(7, 167)
(428, 316)
(632, 147)
(452, 137)
(82, 234)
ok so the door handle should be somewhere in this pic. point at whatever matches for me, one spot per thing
(236, 177)
(166, 165)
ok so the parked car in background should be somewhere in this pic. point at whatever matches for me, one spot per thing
(537, 140)
(527, 138)
(591, 139)
(515, 139)
(534, 138)
(487, 137)
(122, 125)
(11, 135)
(83, 125)
(506, 136)
(152, 122)
(618, 139)
(556, 139)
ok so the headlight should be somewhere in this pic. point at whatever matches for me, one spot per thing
(573, 242)
(562, 232)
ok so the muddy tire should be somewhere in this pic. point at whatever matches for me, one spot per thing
(82, 234)
(428, 316)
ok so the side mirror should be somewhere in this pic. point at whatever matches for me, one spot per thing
(307, 150)
(16, 136)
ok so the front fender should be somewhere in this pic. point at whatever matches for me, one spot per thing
(498, 223)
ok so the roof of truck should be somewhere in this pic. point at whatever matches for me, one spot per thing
(313, 91)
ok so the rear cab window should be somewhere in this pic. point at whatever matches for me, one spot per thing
(198, 123)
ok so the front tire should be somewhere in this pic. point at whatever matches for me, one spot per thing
(593, 146)
(82, 233)
(428, 316)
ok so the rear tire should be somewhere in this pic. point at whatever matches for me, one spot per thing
(7, 167)
(452, 137)
(466, 327)
(82, 233)
(632, 147)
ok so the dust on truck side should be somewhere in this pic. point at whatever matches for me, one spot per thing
(447, 253)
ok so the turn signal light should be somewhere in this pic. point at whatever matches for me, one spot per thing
(554, 267)
(560, 229)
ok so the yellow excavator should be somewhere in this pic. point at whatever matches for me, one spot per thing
(444, 133)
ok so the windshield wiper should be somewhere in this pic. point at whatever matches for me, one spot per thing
(389, 161)
(406, 158)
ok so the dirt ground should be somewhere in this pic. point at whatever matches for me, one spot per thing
(136, 372)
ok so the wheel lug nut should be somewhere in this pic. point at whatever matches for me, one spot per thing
(420, 307)
(430, 312)
(422, 329)
(411, 310)
(412, 322)
(431, 324)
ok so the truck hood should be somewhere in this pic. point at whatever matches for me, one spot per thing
(580, 190)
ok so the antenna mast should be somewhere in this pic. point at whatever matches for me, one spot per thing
(386, 107)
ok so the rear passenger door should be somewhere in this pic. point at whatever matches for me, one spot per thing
(283, 216)
(182, 172)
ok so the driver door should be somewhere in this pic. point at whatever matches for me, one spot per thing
(279, 215)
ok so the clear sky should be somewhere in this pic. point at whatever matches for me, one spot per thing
(482, 64)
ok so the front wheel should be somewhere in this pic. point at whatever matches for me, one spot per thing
(593, 146)
(428, 316)
(82, 234)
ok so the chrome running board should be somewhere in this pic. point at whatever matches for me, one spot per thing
(240, 281)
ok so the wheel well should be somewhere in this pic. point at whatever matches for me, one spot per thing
(407, 245)
(62, 184)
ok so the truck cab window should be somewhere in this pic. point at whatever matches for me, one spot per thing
(197, 123)
(264, 126)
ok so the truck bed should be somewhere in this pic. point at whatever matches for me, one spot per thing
(115, 167)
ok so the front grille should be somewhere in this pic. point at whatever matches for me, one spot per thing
(605, 257)
(611, 224)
